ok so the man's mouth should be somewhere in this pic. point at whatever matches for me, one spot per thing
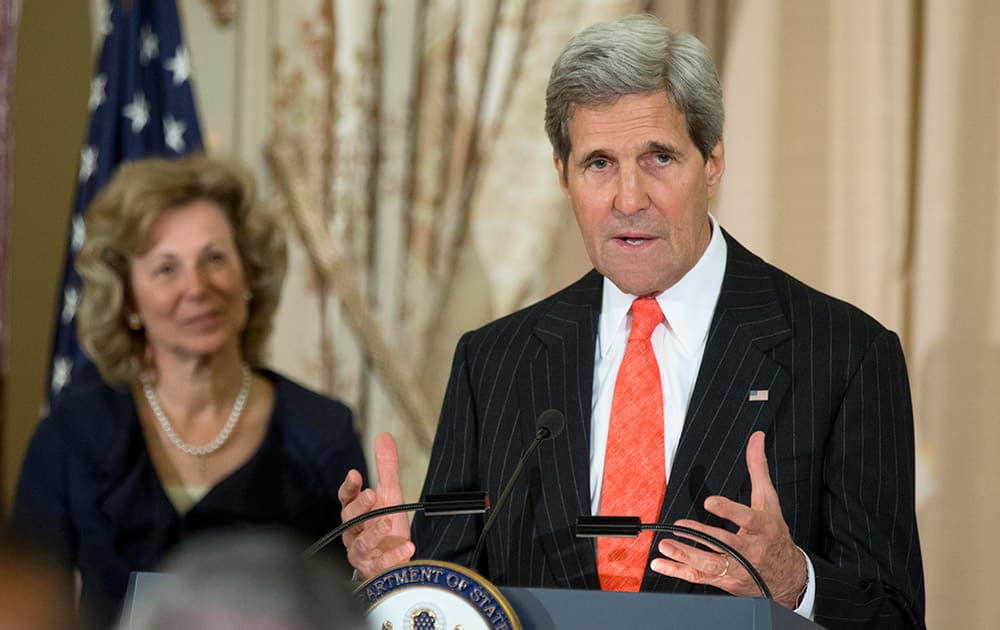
(633, 240)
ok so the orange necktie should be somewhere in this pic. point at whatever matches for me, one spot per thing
(634, 475)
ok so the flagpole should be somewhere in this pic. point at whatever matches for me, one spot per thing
(8, 41)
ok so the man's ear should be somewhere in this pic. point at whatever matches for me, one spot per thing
(561, 174)
(715, 166)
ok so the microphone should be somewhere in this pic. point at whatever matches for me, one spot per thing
(630, 526)
(450, 504)
(549, 424)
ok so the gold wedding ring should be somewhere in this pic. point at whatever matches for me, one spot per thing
(726, 570)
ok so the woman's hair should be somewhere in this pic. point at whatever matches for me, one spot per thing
(634, 54)
(118, 225)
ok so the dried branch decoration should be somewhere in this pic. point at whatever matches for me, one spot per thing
(415, 160)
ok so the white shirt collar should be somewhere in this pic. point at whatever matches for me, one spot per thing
(688, 305)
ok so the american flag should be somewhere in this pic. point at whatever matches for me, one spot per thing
(141, 104)
(757, 395)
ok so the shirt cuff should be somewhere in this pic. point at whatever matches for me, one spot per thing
(808, 602)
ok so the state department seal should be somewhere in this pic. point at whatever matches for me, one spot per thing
(433, 595)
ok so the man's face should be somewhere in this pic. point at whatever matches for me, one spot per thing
(640, 190)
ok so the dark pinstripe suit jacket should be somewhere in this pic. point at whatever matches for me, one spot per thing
(839, 441)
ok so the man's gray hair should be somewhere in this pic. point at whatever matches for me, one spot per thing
(634, 54)
(248, 581)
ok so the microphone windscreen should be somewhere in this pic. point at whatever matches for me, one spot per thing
(550, 423)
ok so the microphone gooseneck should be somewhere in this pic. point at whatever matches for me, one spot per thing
(549, 424)
(433, 505)
(630, 526)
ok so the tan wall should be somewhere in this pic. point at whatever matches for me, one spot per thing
(54, 66)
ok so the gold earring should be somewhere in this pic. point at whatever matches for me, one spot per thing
(134, 321)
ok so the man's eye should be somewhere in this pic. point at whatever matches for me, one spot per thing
(663, 158)
(599, 164)
(163, 270)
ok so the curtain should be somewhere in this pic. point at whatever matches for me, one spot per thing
(954, 341)
(862, 146)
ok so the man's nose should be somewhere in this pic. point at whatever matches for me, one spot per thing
(632, 196)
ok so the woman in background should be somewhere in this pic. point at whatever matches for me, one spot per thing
(185, 432)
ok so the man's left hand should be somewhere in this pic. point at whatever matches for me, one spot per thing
(763, 539)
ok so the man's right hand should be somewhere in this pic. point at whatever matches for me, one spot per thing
(380, 543)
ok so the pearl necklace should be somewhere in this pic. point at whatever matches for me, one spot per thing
(201, 452)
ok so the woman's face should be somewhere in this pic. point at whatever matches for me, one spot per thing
(188, 285)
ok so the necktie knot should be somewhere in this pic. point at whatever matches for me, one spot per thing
(646, 315)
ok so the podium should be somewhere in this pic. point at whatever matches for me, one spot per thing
(558, 609)
(552, 609)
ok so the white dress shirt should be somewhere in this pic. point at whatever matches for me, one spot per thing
(678, 344)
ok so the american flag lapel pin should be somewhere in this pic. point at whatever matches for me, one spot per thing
(757, 395)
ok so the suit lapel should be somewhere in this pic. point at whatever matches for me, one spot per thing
(710, 458)
(560, 376)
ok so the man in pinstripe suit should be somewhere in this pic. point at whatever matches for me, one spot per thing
(788, 429)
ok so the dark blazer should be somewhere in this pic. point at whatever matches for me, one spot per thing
(89, 487)
(838, 421)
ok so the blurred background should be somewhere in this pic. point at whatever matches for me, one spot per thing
(402, 142)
